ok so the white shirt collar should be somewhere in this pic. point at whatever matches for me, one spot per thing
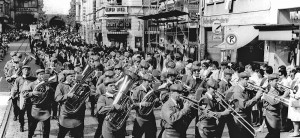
(109, 94)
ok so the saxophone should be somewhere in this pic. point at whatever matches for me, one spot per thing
(72, 105)
(117, 119)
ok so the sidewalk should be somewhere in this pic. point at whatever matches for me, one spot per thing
(5, 106)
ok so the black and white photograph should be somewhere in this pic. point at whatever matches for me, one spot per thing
(149, 68)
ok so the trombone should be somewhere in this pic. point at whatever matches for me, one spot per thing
(197, 105)
(275, 97)
(235, 114)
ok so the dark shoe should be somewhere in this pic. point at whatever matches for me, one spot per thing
(22, 128)
(15, 118)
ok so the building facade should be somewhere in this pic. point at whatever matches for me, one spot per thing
(112, 23)
(248, 31)
(5, 15)
(26, 12)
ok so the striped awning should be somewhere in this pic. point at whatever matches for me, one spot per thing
(117, 32)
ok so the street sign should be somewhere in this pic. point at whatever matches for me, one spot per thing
(216, 27)
(217, 37)
(231, 39)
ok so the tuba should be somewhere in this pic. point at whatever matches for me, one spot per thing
(117, 119)
(73, 104)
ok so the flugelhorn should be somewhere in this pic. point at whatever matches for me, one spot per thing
(234, 113)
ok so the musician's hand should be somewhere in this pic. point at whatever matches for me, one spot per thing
(226, 112)
(70, 95)
(259, 94)
(35, 93)
(14, 76)
(145, 104)
(117, 107)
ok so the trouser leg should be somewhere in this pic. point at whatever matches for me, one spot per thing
(54, 108)
(77, 132)
(31, 127)
(16, 107)
(272, 132)
(46, 128)
(62, 131)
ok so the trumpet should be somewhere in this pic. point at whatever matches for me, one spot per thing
(197, 105)
(275, 97)
(285, 88)
(234, 113)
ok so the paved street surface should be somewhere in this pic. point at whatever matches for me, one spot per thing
(13, 130)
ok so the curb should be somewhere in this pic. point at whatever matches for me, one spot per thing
(3, 126)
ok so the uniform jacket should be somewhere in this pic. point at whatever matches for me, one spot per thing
(137, 95)
(18, 86)
(43, 109)
(7, 67)
(104, 106)
(272, 111)
(65, 119)
(176, 117)
(223, 86)
(244, 104)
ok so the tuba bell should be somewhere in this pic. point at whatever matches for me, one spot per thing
(81, 93)
(117, 119)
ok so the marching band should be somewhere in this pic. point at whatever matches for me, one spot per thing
(118, 82)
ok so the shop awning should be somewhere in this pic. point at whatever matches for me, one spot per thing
(118, 33)
(173, 13)
(276, 32)
(244, 35)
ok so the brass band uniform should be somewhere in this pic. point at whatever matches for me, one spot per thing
(144, 123)
(243, 106)
(208, 118)
(68, 122)
(42, 96)
(105, 106)
(272, 106)
(176, 116)
(19, 88)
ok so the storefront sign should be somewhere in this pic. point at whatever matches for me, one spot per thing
(118, 24)
(217, 37)
(208, 21)
(26, 9)
(116, 10)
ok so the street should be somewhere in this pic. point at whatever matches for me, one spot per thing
(13, 130)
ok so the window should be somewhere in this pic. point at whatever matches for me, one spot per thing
(1, 7)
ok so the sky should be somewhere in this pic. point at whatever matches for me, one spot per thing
(57, 6)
